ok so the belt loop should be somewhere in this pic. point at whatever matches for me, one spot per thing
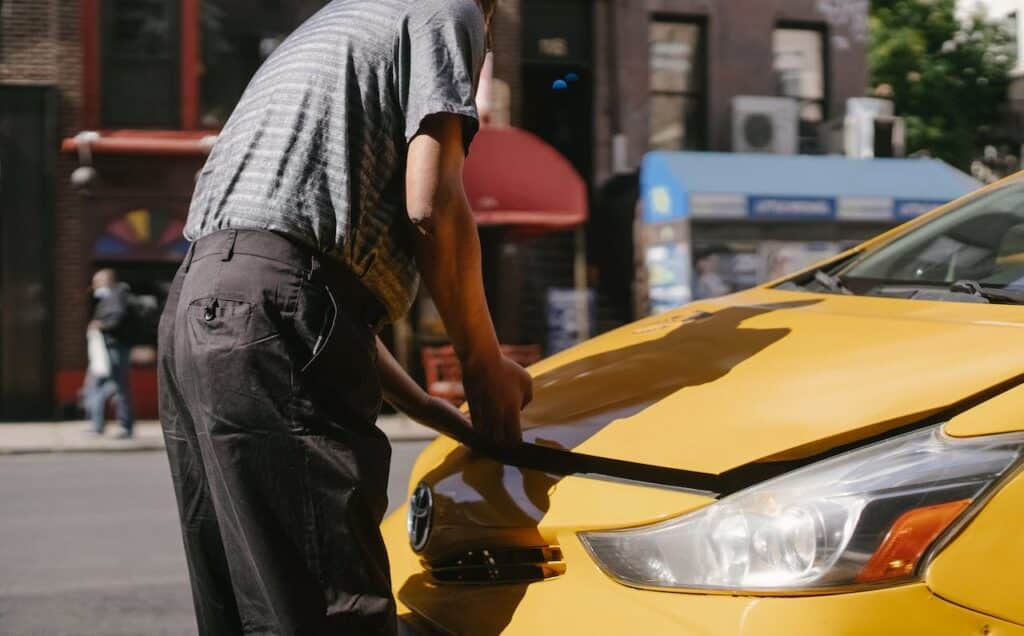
(230, 240)
(188, 257)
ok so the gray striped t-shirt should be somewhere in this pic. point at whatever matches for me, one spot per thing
(315, 149)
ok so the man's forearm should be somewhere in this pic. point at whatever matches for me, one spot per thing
(400, 390)
(450, 263)
(447, 245)
(448, 256)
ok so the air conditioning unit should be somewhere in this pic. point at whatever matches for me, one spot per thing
(871, 129)
(765, 124)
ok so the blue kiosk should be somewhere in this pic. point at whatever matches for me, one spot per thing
(712, 223)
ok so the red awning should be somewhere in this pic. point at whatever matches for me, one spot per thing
(513, 177)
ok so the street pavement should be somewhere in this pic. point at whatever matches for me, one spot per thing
(90, 544)
(74, 437)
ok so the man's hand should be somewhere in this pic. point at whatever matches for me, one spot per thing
(95, 325)
(448, 255)
(496, 393)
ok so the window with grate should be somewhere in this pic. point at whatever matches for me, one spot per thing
(185, 63)
(799, 62)
(237, 37)
(677, 67)
(141, 53)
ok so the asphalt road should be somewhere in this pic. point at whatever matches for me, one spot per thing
(89, 544)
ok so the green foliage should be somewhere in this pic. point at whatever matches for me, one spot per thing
(948, 77)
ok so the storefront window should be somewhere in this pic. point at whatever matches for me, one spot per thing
(236, 39)
(800, 73)
(143, 62)
(140, 75)
(676, 82)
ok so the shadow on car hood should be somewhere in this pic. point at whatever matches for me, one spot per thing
(711, 398)
(764, 376)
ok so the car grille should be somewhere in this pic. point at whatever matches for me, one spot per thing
(498, 565)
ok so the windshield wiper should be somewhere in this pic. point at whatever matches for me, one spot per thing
(997, 295)
(831, 282)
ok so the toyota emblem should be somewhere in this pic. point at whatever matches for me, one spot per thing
(421, 509)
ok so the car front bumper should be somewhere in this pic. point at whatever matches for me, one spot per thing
(585, 601)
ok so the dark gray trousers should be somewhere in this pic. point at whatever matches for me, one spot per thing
(268, 400)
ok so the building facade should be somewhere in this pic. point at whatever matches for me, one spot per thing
(42, 278)
(140, 87)
(607, 81)
(663, 74)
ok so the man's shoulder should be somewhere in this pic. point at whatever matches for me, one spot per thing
(434, 11)
(369, 18)
(442, 6)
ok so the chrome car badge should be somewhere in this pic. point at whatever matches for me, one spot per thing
(421, 509)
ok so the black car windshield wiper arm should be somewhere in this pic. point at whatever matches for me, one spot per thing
(991, 294)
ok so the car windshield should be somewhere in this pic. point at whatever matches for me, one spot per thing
(982, 241)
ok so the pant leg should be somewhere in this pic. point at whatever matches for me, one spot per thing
(282, 387)
(103, 390)
(212, 594)
(121, 364)
(95, 403)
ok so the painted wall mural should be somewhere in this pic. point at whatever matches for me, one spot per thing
(142, 235)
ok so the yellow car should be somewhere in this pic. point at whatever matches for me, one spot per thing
(838, 452)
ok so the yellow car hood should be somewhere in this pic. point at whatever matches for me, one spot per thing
(769, 375)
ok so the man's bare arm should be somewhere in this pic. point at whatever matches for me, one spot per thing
(402, 392)
(448, 255)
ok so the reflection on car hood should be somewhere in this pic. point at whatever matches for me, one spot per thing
(769, 375)
(696, 397)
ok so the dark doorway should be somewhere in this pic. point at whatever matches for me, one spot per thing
(557, 77)
(28, 151)
(557, 106)
(559, 110)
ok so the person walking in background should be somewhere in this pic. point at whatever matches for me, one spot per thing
(110, 321)
(710, 283)
(334, 185)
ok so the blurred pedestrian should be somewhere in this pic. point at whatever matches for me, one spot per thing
(710, 283)
(109, 354)
(335, 183)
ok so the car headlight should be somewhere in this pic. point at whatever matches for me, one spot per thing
(864, 517)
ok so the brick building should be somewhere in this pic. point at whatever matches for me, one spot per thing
(40, 262)
(625, 50)
(155, 79)
(603, 81)
(643, 75)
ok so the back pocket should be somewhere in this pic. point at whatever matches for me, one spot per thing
(241, 366)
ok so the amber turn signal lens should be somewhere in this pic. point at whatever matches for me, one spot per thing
(907, 540)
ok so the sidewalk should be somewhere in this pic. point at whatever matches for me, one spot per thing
(73, 437)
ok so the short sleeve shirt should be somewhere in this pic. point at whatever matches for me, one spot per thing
(315, 149)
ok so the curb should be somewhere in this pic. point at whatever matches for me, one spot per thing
(399, 428)
(130, 447)
(68, 437)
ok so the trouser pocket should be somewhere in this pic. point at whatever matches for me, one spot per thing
(325, 334)
(240, 363)
(339, 380)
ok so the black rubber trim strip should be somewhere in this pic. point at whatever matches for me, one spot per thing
(564, 462)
